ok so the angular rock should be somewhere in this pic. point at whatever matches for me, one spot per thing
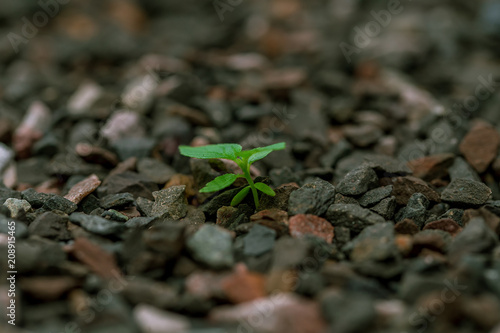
(461, 169)
(83, 188)
(59, 203)
(170, 203)
(302, 224)
(464, 192)
(375, 243)
(280, 200)
(480, 146)
(352, 216)
(117, 201)
(416, 210)
(405, 187)
(358, 181)
(431, 167)
(312, 198)
(18, 208)
(36, 199)
(212, 246)
(97, 224)
(386, 208)
(374, 196)
(51, 225)
(258, 241)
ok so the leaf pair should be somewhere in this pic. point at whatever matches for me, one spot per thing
(244, 158)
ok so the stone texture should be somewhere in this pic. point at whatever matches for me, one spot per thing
(466, 192)
(212, 246)
(258, 241)
(351, 216)
(405, 187)
(312, 198)
(374, 196)
(480, 146)
(170, 203)
(358, 181)
(302, 224)
(18, 208)
(431, 167)
(83, 188)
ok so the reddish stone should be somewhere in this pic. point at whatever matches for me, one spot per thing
(279, 313)
(406, 227)
(83, 188)
(302, 224)
(432, 167)
(272, 214)
(480, 146)
(48, 288)
(405, 187)
(243, 286)
(431, 241)
(447, 225)
(404, 244)
(492, 220)
(98, 260)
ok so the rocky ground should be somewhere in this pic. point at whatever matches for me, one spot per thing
(387, 209)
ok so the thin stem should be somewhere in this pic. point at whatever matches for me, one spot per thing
(245, 167)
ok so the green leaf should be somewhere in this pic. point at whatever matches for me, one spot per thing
(259, 153)
(219, 183)
(240, 196)
(227, 151)
(265, 189)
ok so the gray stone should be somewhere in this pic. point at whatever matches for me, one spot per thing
(170, 203)
(120, 200)
(115, 215)
(212, 246)
(35, 198)
(476, 237)
(133, 147)
(375, 243)
(139, 222)
(386, 208)
(416, 210)
(258, 241)
(282, 176)
(290, 252)
(374, 196)
(312, 198)
(354, 217)
(461, 169)
(97, 224)
(348, 312)
(454, 214)
(145, 206)
(358, 181)
(51, 225)
(18, 208)
(6, 193)
(342, 199)
(466, 192)
(20, 229)
(57, 202)
(155, 170)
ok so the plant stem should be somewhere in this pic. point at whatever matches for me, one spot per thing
(249, 179)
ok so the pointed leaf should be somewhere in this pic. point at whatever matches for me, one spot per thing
(219, 183)
(240, 196)
(227, 151)
(259, 153)
(265, 189)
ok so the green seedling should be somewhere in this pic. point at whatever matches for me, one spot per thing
(244, 159)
